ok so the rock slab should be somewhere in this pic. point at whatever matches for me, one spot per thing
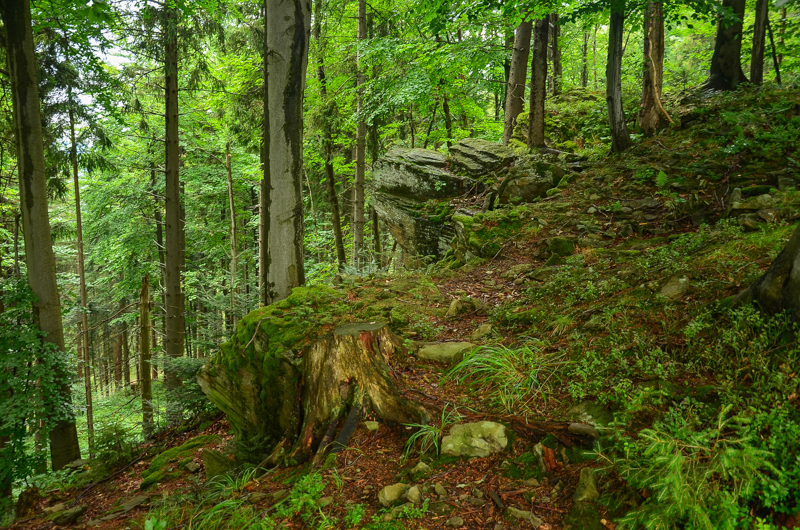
(478, 439)
(444, 352)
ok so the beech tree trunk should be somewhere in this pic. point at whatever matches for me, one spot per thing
(726, 67)
(759, 42)
(144, 359)
(585, 61)
(538, 83)
(556, 50)
(174, 339)
(361, 138)
(652, 116)
(448, 121)
(39, 255)
(620, 138)
(287, 28)
(517, 77)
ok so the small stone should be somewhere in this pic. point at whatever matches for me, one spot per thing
(325, 501)
(397, 510)
(484, 329)
(372, 426)
(192, 467)
(70, 516)
(420, 470)
(414, 495)
(594, 197)
(479, 439)
(279, 494)
(441, 508)
(455, 522)
(477, 493)
(440, 491)
(531, 483)
(76, 464)
(498, 526)
(587, 487)
(524, 515)
(675, 287)
(582, 429)
(257, 496)
(387, 517)
(60, 507)
(391, 494)
(475, 501)
(444, 352)
(134, 502)
(456, 308)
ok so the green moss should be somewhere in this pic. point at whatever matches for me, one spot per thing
(159, 470)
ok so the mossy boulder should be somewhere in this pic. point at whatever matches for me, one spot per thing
(482, 235)
(530, 179)
(254, 376)
(169, 464)
(477, 157)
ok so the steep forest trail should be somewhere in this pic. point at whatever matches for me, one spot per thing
(603, 303)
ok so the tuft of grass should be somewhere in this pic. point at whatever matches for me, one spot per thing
(428, 436)
(508, 376)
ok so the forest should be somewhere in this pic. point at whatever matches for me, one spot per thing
(394, 264)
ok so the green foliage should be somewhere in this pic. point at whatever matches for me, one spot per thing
(430, 435)
(355, 514)
(694, 478)
(509, 377)
(302, 500)
(114, 445)
(167, 465)
(30, 371)
(188, 394)
(414, 512)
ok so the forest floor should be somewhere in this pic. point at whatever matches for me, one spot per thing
(627, 324)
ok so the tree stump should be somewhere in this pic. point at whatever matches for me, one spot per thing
(337, 376)
(778, 289)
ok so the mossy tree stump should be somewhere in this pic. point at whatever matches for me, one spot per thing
(305, 396)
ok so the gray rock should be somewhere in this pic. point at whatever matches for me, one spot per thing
(478, 493)
(71, 516)
(279, 494)
(325, 501)
(591, 413)
(76, 464)
(192, 467)
(455, 522)
(441, 508)
(418, 174)
(583, 516)
(478, 439)
(482, 331)
(397, 510)
(477, 157)
(516, 270)
(582, 429)
(371, 426)
(60, 507)
(216, 463)
(392, 494)
(524, 515)
(130, 504)
(414, 495)
(530, 179)
(475, 501)
(444, 352)
(420, 470)
(457, 307)
(560, 246)
(587, 487)
(440, 490)
(675, 287)
(257, 497)
(531, 483)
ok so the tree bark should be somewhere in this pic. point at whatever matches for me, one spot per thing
(234, 264)
(776, 63)
(759, 42)
(126, 357)
(39, 254)
(287, 28)
(585, 60)
(83, 324)
(726, 67)
(594, 55)
(652, 115)
(361, 137)
(448, 121)
(145, 382)
(620, 138)
(538, 83)
(557, 66)
(174, 339)
(517, 77)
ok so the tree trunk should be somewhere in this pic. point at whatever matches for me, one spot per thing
(327, 140)
(557, 67)
(726, 67)
(234, 264)
(40, 259)
(448, 121)
(620, 139)
(759, 42)
(594, 56)
(585, 61)
(776, 63)
(538, 83)
(344, 369)
(376, 237)
(361, 137)
(126, 357)
(517, 76)
(652, 115)
(287, 26)
(778, 290)
(83, 324)
(117, 368)
(174, 339)
(145, 382)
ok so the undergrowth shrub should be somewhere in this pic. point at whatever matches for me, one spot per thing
(114, 445)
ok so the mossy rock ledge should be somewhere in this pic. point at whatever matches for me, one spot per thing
(283, 380)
